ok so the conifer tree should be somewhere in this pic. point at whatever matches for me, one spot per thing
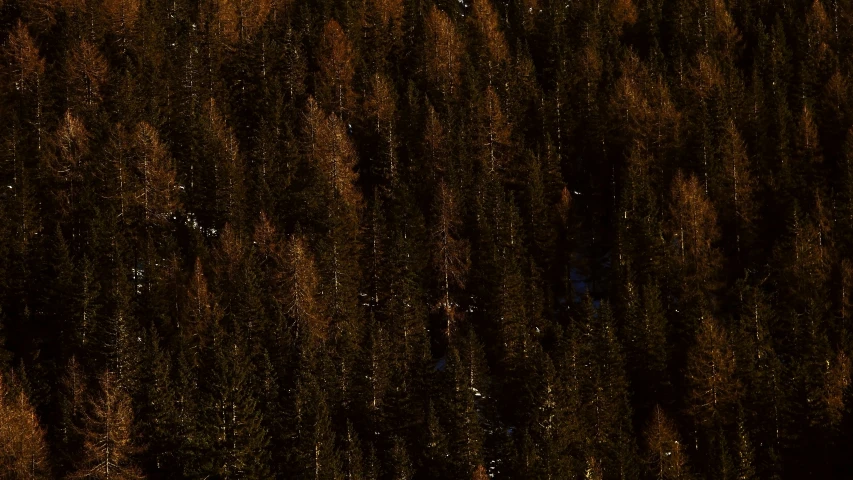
(315, 453)
(442, 52)
(337, 69)
(462, 402)
(667, 454)
(450, 256)
(230, 425)
(158, 423)
(87, 71)
(23, 450)
(158, 193)
(711, 373)
(693, 229)
(108, 444)
(66, 167)
(301, 290)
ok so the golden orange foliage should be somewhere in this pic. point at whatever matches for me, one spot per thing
(739, 179)
(158, 192)
(630, 99)
(711, 373)
(73, 142)
(667, 453)
(329, 148)
(694, 227)
(623, 12)
(808, 138)
(87, 74)
(725, 28)
(108, 446)
(25, 67)
(232, 247)
(121, 13)
(480, 473)
(337, 69)
(380, 103)
(239, 20)
(443, 50)
(23, 451)
(593, 469)
(389, 11)
(434, 140)
(230, 168)
(301, 287)
(706, 78)
(488, 24)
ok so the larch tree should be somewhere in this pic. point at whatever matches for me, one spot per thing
(87, 74)
(381, 106)
(301, 281)
(23, 450)
(229, 168)
(837, 380)
(24, 77)
(329, 150)
(693, 228)
(739, 185)
(337, 68)
(443, 51)
(122, 13)
(240, 20)
(667, 453)
(108, 445)
(72, 396)
(199, 311)
(67, 165)
(117, 171)
(436, 148)
(714, 386)
(487, 23)
(158, 193)
(808, 154)
(336, 207)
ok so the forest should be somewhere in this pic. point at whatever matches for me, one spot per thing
(426, 239)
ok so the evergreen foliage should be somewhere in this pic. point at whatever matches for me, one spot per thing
(426, 239)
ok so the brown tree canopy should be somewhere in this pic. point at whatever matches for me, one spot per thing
(443, 51)
(108, 446)
(87, 74)
(337, 69)
(158, 193)
(693, 228)
(668, 454)
(24, 64)
(301, 290)
(23, 451)
(488, 25)
(711, 371)
(239, 20)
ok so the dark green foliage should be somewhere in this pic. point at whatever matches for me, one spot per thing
(430, 239)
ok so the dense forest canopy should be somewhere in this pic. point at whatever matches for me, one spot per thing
(426, 239)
